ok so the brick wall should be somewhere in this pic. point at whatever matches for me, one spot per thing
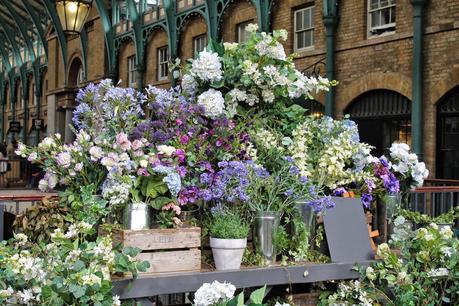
(196, 26)
(126, 50)
(236, 13)
(157, 39)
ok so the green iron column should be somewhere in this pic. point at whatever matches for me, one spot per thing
(37, 95)
(330, 18)
(263, 8)
(25, 105)
(417, 108)
(169, 6)
(2, 100)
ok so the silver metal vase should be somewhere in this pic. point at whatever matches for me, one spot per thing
(137, 216)
(264, 234)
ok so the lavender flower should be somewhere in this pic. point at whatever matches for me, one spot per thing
(366, 200)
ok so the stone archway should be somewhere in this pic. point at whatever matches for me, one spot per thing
(391, 81)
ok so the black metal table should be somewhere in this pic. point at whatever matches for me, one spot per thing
(157, 284)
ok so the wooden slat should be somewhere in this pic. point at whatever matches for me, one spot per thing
(172, 261)
(159, 239)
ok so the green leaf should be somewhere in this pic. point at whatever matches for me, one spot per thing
(79, 265)
(258, 295)
(77, 291)
(216, 47)
(159, 202)
(237, 300)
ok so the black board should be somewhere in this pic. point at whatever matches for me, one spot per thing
(347, 231)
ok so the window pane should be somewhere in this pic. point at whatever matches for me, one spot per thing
(375, 19)
(385, 14)
(308, 38)
(300, 40)
(392, 14)
(312, 16)
(306, 19)
(299, 20)
(374, 4)
(384, 3)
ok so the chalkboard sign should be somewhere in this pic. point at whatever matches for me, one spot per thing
(15, 126)
(347, 231)
(38, 124)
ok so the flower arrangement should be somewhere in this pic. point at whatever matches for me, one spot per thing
(249, 75)
(216, 293)
(70, 270)
(425, 270)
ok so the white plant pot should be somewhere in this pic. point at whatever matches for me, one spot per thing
(228, 252)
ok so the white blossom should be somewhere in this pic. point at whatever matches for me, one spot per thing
(213, 102)
(207, 67)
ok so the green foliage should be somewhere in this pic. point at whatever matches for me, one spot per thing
(425, 271)
(85, 205)
(417, 217)
(228, 225)
(39, 222)
(70, 270)
(151, 190)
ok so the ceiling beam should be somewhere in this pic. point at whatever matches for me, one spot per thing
(7, 31)
(20, 25)
(5, 55)
(37, 23)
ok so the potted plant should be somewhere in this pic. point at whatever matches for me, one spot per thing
(228, 239)
(443, 220)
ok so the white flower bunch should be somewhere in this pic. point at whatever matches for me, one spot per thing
(213, 102)
(213, 294)
(407, 164)
(116, 190)
(350, 293)
(323, 149)
(207, 67)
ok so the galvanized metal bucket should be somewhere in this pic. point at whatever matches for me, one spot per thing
(137, 216)
(265, 231)
(393, 202)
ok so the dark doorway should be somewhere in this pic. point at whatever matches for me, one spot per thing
(383, 117)
(448, 136)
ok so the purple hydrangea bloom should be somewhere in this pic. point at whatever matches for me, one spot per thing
(366, 199)
(339, 191)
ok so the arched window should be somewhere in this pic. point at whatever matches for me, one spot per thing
(448, 136)
(76, 73)
(383, 117)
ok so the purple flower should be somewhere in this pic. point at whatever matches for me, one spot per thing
(370, 185)
(384, 161)
(366, 200)
(184, 139)
(321, 204)
(288, 192)
(391, 183)
(294, 170)
(289, 159)
(338, 192)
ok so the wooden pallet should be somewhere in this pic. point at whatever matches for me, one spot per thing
(167, 250)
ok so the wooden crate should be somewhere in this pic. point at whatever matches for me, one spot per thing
(167, 250)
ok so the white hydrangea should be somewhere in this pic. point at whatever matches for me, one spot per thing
(440, 272)
(230, 46)
(251, 27)
(207, 67)
(189, 84)
(212, 294)
(407, 164)
(213, 102)
(265, 47)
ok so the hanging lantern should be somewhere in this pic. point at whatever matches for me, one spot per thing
(73, 14)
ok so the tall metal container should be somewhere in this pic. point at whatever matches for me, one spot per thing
(265, 231)
(137, 216)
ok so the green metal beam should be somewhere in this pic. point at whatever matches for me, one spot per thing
(212, 19)
(109, 37)
(5, 55)
(84, 51)
(137, 22)
(37, 95)
(330, 19)
(12, 41)
(22, 30)
(263, 8)
(51, 9)
(2, 105)
(170, 8)
(37, 24)
(417, 109)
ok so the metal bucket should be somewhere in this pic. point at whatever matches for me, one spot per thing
(137, 216)
(393, 202)
(265, 233)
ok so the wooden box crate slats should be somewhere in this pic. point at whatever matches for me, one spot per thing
(167, 250)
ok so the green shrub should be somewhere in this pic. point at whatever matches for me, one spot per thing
(226, 225)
